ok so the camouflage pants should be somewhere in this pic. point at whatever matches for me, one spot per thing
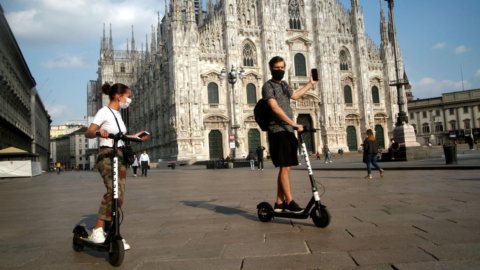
(104, 166)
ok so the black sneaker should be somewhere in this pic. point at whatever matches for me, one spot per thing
(293, 207)
(278, 208)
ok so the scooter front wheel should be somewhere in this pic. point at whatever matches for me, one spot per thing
(117, 252)
(264, 212)
(320, 216)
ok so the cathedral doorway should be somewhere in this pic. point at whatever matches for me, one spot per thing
(379, 136)
(306, 121)
(253, 140)
(352, 138)
(215, 144)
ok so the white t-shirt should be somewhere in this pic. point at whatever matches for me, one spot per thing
(144, 157)
(104, 119)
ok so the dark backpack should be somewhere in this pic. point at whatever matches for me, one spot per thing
(263, 114)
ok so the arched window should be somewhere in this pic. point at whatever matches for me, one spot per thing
(294, 14)
(438, 127)
(248, 55)
(425, 128)
(300, 66)
(466, 123)
(212, 93)
(347, 95)
(344, 60)
(453, 125)
(375, 95)
(251, 94)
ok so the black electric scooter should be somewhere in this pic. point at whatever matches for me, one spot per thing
(315, 209)
(113, 241)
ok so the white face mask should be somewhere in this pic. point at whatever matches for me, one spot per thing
(126, 104)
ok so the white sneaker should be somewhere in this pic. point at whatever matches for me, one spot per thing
(125, 245)
(368, 176)
(97, 236)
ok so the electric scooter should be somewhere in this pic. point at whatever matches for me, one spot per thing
(113, 241)
(315, 209)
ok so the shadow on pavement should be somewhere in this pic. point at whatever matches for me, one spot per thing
(220, 209)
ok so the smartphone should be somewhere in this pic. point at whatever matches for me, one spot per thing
(143, 134)
(314, 74)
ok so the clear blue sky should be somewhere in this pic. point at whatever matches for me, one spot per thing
(60, 41)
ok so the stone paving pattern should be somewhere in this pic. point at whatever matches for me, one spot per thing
(193, 218)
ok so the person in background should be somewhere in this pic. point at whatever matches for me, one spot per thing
(327, 154)
(259, 151)
(251, 158)
(135, 164)
(58, 166)
(370, 151)
(144, 162)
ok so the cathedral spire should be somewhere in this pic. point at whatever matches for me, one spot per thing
(146, 44)
(383, 28)
(110, 40)
(190, 16)
(355, 5)
(104, 40)
(133, 40)
(159, 30)
(154, 42)
(200, 13)
(209, 9)
(177, 9)
(391, 29)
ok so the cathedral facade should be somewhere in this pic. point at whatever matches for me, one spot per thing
(195, 113)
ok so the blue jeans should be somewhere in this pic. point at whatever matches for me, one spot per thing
(372, 160)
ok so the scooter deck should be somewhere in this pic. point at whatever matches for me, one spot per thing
(83, 240)
(284, 214)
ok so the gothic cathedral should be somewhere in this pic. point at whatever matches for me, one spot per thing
(194, 113)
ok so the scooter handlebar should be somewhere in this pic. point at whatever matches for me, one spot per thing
(120, 136)
(307, 129)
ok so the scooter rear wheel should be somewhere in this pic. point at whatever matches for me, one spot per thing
(117, 252)
(78, 233)
(320, 216)
(76, 246)
(264, 212)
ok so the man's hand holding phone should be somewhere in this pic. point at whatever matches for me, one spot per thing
(142, 135)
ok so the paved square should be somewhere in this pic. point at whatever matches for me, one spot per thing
(206, 219)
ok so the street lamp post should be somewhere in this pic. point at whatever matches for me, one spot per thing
(233, 75)
(402, 115)
(403, 133)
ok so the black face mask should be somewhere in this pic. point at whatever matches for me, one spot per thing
(277, 75)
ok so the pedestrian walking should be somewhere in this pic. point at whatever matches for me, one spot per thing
(144, 163)
(108, 120)
(327, 154)
(259, 151)
(251, 158)
(58, 167)
(135, 164)
(370, 151)
(283, 145)
(318, 155)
